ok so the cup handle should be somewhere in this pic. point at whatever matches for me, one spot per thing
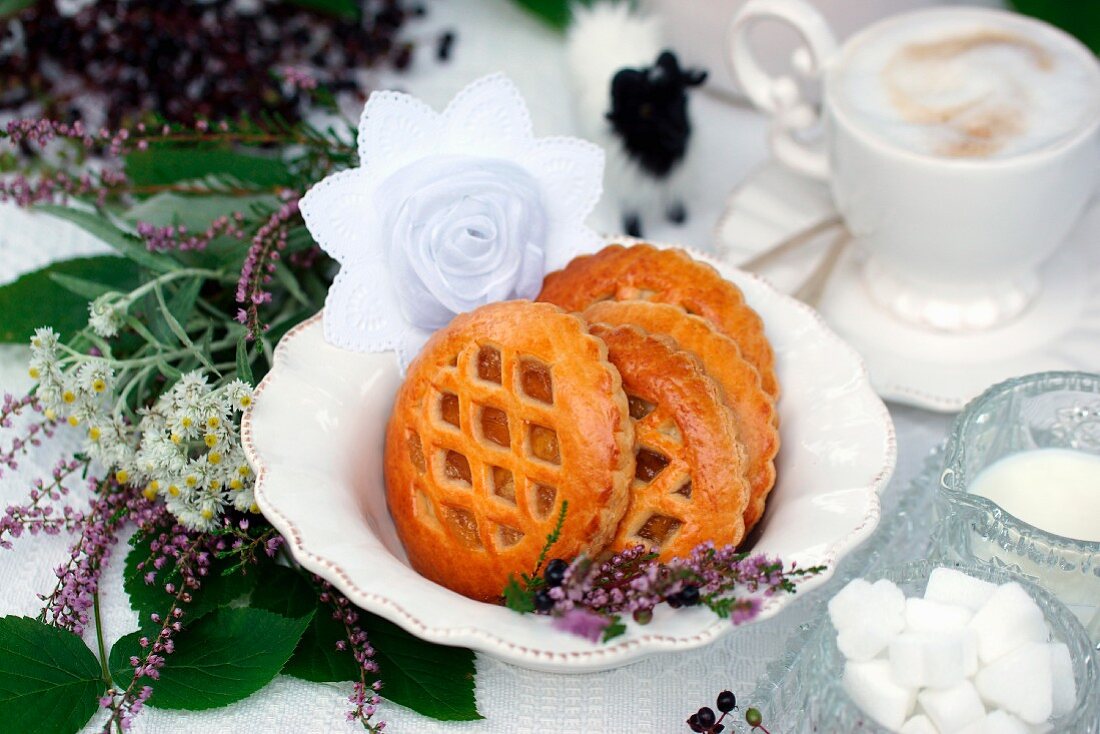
(780, 96)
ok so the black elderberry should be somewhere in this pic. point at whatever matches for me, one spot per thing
(543, 601)
(705, 716)
(693, 723)
(718, 728)
(674, 601)
(726, 701)
(689, 595)
(555, 572)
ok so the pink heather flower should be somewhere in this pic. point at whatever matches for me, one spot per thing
(745, 610)
(582, 623)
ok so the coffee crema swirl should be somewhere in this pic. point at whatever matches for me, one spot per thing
(924, 79)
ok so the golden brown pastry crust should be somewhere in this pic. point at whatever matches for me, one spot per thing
(689, 484)
(462, 524)
(753, 409)
(668, 276)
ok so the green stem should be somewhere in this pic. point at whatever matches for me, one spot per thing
(99, 639)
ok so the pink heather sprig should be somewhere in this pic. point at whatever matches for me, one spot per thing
(188, 554)
(36, 515)
(364, 698)
(178, 237)
(30, 435)
(589, 596)
(259, 264)
(298, 78)
(57, 187)
(78, 579)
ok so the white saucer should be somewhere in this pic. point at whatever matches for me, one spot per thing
(930, 369)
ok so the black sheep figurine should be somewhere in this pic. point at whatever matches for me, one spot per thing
(632, 98)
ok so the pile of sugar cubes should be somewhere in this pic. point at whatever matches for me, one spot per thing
(970, 657)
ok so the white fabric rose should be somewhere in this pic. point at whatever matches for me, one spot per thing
(446, 212)
(464, 232)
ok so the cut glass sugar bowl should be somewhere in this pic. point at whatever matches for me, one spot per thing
(1021, 486)
(827, 707)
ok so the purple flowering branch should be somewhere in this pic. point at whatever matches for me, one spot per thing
(73, 596)
(35, 516)
(364, 698)
(187, 553)
(31, 434)
(260, 263)
(178, 238)
(589, 597)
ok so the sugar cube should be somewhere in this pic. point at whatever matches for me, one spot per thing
(846, 608)
(919, 724)
(1020, 682)
(869, 618)
(1002, 722)
(952, 709)
(933, 659)
(1008, 619)
(923, 615)
(872, 689)
(1063, 683)
(948, 586)
(996, 722)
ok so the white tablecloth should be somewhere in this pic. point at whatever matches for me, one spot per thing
(653, 695)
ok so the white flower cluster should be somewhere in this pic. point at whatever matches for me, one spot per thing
(185, 448)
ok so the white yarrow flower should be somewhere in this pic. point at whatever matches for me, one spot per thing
(106, 314)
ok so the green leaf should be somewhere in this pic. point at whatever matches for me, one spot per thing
(316, 657)
(126, 244)
(118, 660)
(430, 679)
(216, 590)
(284, 591)
(86, 289)
(9, 8)
(1082, 19)
(220, 659)
(338, 8)
(37, 299)
(518, 597)
(194, 212)
(555, 13)
(160, 166)
(244, 368)
(614, 629)
(49, 679)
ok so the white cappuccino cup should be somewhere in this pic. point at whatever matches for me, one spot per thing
(960, 144)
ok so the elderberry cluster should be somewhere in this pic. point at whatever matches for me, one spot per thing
(553, 576)
(704, 720)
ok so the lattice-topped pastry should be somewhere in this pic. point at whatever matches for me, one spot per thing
(668, 276)
(753, 410)
(689, 479)
(507, 412)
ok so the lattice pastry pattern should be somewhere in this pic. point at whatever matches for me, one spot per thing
(689, 483)
(493, 429)
(666, 276)
(753, 410)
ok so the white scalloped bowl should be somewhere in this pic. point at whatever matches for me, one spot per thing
(315, 437)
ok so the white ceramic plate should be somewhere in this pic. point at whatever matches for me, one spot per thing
(930, 369)
(315, 437)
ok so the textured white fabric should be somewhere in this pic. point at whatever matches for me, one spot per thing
(654, 695)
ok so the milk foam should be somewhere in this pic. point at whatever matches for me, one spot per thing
(968, 87)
